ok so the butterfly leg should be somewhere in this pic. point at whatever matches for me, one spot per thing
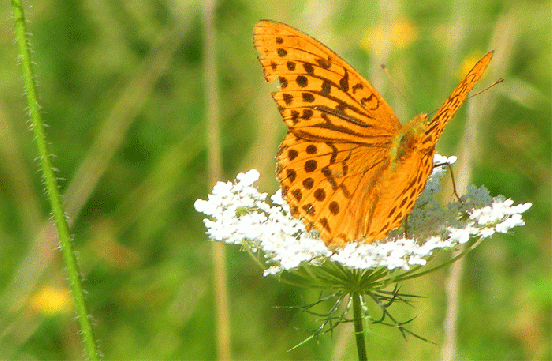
(451, 178)
(405, 226)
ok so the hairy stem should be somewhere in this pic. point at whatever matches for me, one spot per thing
(50, 180)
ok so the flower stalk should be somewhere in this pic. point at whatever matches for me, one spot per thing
(358, 325)
(238, 214)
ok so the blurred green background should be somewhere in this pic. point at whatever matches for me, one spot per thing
(122, 89)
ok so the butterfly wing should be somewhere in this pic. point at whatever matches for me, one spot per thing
(401, 184)
(454, 101)
(320, 97)
(329, 184)
(340, 130)
(334, 164)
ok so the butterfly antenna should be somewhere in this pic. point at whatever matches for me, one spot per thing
(397, 88)
(487, 88)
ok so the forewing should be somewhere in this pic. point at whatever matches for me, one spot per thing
(321, 97)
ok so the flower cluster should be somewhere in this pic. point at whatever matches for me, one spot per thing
(239, 214)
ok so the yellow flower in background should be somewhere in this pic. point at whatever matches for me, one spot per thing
(51, 300)
(400, 34)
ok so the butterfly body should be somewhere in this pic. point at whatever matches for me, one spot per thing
(347, 166)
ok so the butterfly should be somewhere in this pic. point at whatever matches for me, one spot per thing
(347, 167)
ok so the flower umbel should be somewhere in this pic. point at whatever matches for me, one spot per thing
(239, 214)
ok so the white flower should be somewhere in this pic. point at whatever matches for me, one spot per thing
(247, 179)
(239, 214)
(460, 236)
(439, 159)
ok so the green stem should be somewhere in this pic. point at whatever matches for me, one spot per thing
(50, 180)
(359, 329)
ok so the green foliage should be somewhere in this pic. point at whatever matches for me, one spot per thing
(121, 86)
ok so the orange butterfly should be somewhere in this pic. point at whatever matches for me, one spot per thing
(347, 166)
